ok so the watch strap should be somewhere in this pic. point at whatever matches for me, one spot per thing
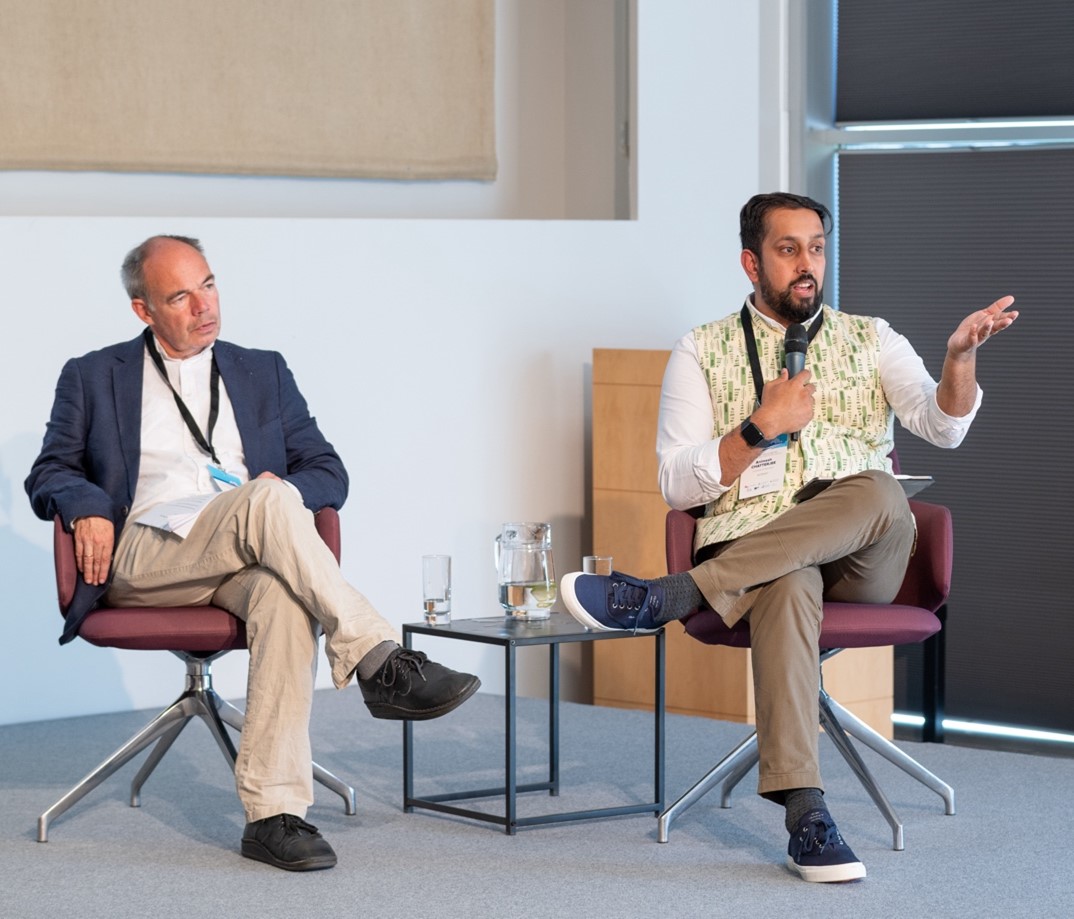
(752, 434)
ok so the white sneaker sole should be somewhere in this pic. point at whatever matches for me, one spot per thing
(828, 874)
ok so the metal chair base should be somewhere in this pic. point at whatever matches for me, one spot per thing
(838, 724)
(198, 699)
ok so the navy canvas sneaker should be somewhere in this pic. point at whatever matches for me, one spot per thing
(817, 851)
(613, 602)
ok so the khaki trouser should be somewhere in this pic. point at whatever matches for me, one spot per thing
(850, 543)
(255, 552)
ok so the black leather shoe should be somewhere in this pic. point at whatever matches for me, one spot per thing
(410, 687)
(287, 842)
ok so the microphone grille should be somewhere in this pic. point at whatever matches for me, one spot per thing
(797, 338)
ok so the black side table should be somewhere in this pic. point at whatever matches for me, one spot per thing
(511, 634)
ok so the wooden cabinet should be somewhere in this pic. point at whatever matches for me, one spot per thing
(628, 524)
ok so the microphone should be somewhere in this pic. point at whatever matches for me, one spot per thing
(795, 345)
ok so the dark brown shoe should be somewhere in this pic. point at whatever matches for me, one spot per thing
(410, 687)
(287, 842)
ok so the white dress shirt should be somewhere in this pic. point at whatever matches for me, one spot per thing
(689, 457)
(173, 466)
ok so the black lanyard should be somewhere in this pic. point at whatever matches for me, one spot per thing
(751, 346)
(203, 441)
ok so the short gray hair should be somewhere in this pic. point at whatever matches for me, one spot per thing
(132, 274)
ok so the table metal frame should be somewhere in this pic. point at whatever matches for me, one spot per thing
(512, 634)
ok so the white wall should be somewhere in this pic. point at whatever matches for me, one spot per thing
(447, 360)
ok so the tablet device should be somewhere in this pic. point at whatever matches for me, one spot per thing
(911, 484)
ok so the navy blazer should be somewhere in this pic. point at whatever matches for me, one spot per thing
(88, 466)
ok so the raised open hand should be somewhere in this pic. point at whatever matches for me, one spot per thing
(980, 326)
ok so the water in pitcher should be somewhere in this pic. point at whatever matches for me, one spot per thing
(531, 601)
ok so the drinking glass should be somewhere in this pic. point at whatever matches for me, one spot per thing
(436, 588)
(597, 564)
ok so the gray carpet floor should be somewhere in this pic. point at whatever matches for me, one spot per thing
(1003, 853)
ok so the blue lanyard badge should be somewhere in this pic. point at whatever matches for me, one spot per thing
(224, 478)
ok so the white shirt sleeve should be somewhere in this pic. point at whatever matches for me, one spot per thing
(911, 392)
(688, 457)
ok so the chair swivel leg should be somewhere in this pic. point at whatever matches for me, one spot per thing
(737, 776)
(745, 751)
(880, 744)
(196, 699)
(160, 726)
(162, 747)
(838, 736)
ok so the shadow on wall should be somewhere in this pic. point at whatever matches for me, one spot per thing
(39, 676)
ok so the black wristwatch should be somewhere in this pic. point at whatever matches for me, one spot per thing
(752, 434)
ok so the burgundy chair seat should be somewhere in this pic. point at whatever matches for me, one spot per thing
(845, 625)
(194, 629)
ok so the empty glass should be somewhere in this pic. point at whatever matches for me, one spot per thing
(597, 564)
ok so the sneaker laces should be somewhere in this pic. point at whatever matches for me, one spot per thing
(627, 596)
(820, 835)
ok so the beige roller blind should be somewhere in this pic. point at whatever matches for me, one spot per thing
(359, 88)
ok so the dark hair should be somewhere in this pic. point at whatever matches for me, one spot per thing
(132, 274)
(751, 221)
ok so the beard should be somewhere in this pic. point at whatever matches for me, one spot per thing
(785, 304)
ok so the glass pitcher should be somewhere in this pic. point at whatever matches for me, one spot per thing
(526, 576)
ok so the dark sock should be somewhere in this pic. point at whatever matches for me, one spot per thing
(801, 801)
(681, 596)
(374, 659)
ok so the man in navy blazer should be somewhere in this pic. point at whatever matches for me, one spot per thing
(176, 416)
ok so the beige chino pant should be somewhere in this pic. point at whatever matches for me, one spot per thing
(255, 552)
(850, 543)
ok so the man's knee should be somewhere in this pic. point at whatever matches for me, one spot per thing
(276, 500)
(268, 490)
(880, 496)
(882, 487)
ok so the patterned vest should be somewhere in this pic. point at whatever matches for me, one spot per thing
(850, 430)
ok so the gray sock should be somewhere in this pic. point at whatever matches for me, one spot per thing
(801, 801)
(374, 660)
(682, 596)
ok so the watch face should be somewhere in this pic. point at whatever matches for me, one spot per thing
(751, 433)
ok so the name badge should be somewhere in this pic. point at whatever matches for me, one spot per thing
(224, 478)
(765, 474)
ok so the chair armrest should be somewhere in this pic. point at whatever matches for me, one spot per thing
(327, 522)
(63, 555)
